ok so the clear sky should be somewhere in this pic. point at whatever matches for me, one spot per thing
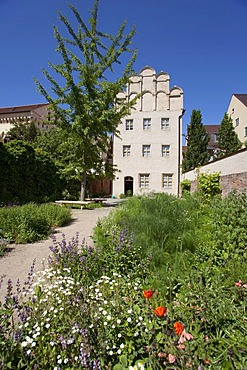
(201, 44)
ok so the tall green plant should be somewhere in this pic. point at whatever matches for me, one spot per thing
(197, 142)
(86, 105)
(228, 141)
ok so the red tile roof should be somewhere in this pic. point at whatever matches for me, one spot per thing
(212, 129)
(22, 108)
(242, 98)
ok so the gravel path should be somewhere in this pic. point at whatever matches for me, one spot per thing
(17, 262)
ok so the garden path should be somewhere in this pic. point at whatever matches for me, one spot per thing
(17, 262)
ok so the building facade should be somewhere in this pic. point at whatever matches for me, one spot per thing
(237, 110)
(148, 153)
(37, 113)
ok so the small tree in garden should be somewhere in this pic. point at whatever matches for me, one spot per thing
(23, 131)
(227, 137)
(86, 106)
(197, 142)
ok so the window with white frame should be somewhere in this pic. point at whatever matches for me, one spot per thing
(146, 150)
(237, 122)
(144, 180)
(126, 150)
(165, 151)
(165, 123)
(129, 124)
(167, 180)
(146, 123)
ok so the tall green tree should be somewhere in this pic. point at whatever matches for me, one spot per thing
(197, 142)
(86, 105)
(227, 138)
(24, 131)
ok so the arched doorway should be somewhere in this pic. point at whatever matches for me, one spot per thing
(128, 184)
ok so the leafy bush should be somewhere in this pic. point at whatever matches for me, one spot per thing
(209, 185)
(31, 222)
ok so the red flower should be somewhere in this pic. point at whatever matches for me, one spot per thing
(160, 311)
(178, 327)
(147, 293)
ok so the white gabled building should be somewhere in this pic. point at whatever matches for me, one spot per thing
(237, 110)
(148, 153)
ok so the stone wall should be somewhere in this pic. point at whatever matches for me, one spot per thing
(232, 169)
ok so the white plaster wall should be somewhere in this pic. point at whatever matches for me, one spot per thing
(238, 110)
(236, 163)
(155, 165)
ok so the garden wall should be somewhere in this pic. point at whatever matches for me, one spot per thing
(232, 169)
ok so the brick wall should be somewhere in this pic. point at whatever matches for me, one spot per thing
(234, 182)
(232, 169)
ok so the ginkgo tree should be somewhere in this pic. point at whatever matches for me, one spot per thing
(84, 87)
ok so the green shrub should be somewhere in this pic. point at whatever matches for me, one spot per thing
(31, 222)
(185, 186)
(208, 185)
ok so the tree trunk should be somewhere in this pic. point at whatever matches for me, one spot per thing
(83, 186)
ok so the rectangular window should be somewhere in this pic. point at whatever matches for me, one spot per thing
(146, 150)
(237, 122)
(167, 180)
(165, 151)
(144, 181)
(126, 150)
(165, 123)
(146, 123)
(129, 124)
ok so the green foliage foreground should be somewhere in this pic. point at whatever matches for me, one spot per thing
(117, 307)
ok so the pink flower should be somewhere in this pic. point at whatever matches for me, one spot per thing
(239, 283)
(185, 336)
(171, 358)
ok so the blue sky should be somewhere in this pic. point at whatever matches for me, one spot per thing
(200, 43)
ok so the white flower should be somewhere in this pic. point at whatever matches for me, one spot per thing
(47, 326)
(119, 351)
(24, 344)
(104, 313)
(59, 361)
(108, 317)
(33, 344)
(76, 358)
(129, 311)
(121, 345)
(119, 335)
(65, 360)
(100, 308)
(129, 319)
(113, 326)
(118, 321)
(105, 323)
(140, 318)
(28, 352)
(110, 353)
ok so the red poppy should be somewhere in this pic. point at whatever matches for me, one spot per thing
(147, 293)
(160, 311)
(178, 327)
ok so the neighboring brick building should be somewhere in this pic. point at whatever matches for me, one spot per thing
(148, 153)
(37, 113)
